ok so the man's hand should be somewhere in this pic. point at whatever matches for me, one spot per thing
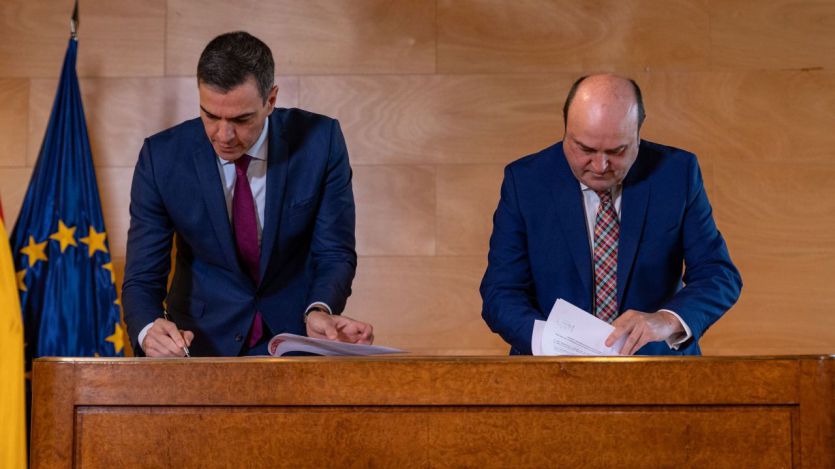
(322, 325)
(643, 328)
(165, 340)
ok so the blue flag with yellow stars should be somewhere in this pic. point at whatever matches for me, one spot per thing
(61, 254)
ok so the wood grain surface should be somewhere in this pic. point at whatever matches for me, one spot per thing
(320, 36)
(478, 36)
(440, 119)
(429, 412)
(118, 38)
(436, 96)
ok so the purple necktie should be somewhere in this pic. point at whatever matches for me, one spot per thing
(246, 234)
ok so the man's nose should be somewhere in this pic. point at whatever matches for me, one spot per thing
(226, 131)
(599, 163)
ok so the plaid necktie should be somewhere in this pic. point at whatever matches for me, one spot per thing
(246, 234)
(606, 232)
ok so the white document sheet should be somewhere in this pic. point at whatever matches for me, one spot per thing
(571, 331)
(536, 342)
(283, 343)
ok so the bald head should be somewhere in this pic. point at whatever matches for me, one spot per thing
(603, 116)
(608, 90)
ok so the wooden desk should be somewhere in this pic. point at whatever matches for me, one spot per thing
(434, 412)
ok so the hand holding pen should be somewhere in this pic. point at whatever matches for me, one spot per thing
(165, 339)
(185, 345)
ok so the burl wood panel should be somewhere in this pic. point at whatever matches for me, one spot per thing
(430, 412)
(477, 437)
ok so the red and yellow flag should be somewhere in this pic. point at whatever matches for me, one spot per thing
(12, 404)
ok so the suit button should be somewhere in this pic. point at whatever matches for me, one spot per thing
(238, 337)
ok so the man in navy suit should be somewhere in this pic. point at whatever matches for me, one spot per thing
(554, 203)
(261, 204)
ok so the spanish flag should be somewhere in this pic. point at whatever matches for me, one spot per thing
(12, 403)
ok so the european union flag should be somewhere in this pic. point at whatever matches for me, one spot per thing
(60, 248)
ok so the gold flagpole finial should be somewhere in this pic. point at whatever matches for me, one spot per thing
(74, 21)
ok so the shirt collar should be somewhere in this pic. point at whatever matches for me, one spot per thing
(258, 150)
(615, 191)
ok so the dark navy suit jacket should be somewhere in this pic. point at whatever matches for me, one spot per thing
(539, 250)
(307, 247)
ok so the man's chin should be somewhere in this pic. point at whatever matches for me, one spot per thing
(599, 184)
(228, 155)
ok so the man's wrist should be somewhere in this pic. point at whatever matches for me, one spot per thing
(681, 332)
(317, 307)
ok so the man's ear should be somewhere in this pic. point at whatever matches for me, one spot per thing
(272, 96)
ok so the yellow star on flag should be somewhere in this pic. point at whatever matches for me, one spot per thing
(95, 241)
(65, 235)
(109, 266)
(21, 282)
(34, 251)
(117, 338)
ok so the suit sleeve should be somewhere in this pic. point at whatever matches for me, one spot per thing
(148, 260)
(507, 289)
(333, 253)
(712, 282)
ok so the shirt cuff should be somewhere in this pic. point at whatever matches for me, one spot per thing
(142, 335)
(320, 305)
(673, 344)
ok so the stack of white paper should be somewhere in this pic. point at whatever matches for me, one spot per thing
(571, 331)
(284, 343)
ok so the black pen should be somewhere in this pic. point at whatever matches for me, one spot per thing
(168, 318)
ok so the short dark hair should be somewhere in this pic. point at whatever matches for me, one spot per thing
(638, 99)
(231, 58)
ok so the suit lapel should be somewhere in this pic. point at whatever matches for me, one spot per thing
(205, 163)
(277, 162)
(571, 216)
(633, 216)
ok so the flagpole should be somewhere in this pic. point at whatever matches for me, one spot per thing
(74, 22)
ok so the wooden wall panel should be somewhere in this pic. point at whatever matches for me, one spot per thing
(777, 220)
(422, 119)
(395, 210)
(772, 318)
(775, 35)
(321, 36)
(751, 116)
(114, 190)
(123, 38)
(436, 96)
(13, 185)
(467, 198)
(14, 108)
(557, 36)
(122, 112)
(428, 305)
